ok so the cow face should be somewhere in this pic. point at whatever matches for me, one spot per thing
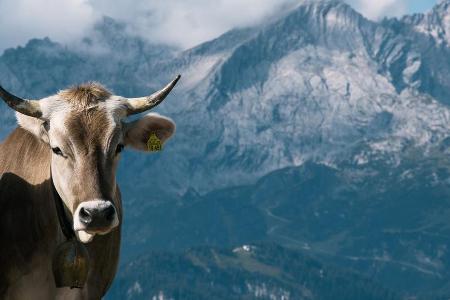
(85, 130)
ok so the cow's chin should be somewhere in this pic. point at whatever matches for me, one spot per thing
(84, 236)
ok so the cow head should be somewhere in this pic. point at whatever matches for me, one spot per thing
(85, 127)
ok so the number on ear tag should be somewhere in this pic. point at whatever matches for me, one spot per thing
(154, 143)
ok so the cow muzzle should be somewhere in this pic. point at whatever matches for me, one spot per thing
(94, 217)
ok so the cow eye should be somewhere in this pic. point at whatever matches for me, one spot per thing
(57, 151)
(119, 148)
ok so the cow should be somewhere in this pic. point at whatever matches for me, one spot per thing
(64, 153)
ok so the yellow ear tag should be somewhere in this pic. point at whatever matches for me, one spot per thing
(154, 143)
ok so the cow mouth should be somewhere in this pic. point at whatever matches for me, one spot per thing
(87, 235)
(84, 236)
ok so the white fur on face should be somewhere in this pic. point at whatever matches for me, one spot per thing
(84, 236)
(63, 168)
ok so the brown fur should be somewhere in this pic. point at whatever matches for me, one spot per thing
(29, 228)
(23, 226)
(85, 95)
(87, 132)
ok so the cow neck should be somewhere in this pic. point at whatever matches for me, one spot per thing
(64, 223)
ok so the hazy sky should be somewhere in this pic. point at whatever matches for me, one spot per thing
(183, 23)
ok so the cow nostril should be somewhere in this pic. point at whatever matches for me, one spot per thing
(85, 216)
(110, 213)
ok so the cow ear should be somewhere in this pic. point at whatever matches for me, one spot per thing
(33, 125)
(138, 133)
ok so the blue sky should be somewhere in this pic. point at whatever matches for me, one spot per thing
(420, 5)
(376, 9)
(183, 23)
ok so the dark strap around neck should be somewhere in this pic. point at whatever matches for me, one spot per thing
(65, 224)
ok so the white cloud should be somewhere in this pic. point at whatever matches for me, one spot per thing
(187, 23)
(183, 23)
(60, 20)
(376, 9)
(63, 21)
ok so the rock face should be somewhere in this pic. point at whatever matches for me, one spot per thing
(315, 85)
(320, 87)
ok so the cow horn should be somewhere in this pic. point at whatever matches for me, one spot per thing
(30, 108)
(138, 105)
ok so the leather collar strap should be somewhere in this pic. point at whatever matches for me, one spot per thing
(65, 224)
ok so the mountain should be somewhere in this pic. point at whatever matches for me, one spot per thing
(435, 24)
(109, 55)
(426, 50)
(311, 86)
(321, 131)
(241, 106)
(262, 271)
(389, 223)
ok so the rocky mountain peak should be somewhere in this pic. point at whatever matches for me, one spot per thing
(435, 23)
(330, 23)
